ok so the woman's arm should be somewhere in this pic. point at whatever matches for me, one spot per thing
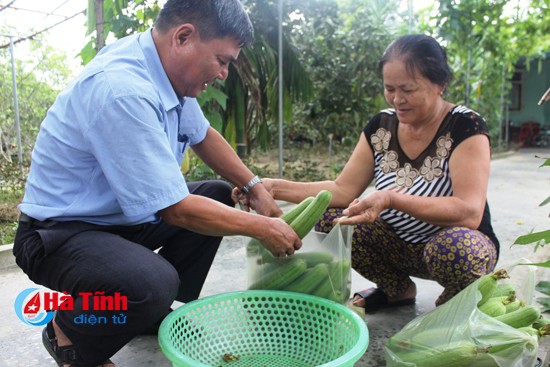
(356, 175)
(469, 168)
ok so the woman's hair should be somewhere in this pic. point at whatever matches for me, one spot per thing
(213, 18)
(420, 54)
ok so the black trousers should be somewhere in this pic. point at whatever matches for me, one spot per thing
(82, 258)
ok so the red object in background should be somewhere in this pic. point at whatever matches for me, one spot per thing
(528, 132)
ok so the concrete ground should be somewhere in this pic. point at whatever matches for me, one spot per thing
(517, 186)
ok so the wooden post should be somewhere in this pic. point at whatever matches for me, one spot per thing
(100, 33)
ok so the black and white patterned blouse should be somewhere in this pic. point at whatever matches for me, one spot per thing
(426, 175)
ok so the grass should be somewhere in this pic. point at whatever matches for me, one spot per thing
(8, 222)
(12, 183)
(301, 162)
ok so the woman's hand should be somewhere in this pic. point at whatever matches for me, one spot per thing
(367, 209)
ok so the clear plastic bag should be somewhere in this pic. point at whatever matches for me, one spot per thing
(458, 334)
(322, 267)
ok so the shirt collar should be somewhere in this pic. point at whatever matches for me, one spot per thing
(167, 94)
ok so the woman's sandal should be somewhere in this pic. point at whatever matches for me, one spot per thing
(376, 299)
(62, 355)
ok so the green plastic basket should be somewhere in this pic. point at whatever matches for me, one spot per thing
(259, 328)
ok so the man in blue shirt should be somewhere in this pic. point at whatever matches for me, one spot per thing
(105, 188)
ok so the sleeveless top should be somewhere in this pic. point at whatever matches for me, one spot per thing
(426, 175)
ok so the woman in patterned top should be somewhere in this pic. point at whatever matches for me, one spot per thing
(429, 159)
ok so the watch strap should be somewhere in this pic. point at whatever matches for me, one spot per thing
(253, 181)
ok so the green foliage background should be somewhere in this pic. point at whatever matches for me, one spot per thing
(331, 51)
(39, 79)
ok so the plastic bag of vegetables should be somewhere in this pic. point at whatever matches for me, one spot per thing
(322, 267)
(489, 324)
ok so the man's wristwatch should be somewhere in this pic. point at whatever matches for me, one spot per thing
(255, 180)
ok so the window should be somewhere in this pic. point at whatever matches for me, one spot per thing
(516, 92)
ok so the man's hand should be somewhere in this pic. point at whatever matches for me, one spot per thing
(240, 198)
(258, 199)
(280, 239)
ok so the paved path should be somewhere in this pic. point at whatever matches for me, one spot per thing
(517, 186)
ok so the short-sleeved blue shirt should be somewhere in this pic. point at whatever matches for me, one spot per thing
(110, 148)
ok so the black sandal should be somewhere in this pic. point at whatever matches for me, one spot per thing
(62, 355)
(376, 299)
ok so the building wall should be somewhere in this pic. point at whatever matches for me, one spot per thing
(533, 85)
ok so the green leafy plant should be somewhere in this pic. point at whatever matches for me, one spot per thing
(7, 232)
(544, 287)
(12, 184)
(540, 239)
